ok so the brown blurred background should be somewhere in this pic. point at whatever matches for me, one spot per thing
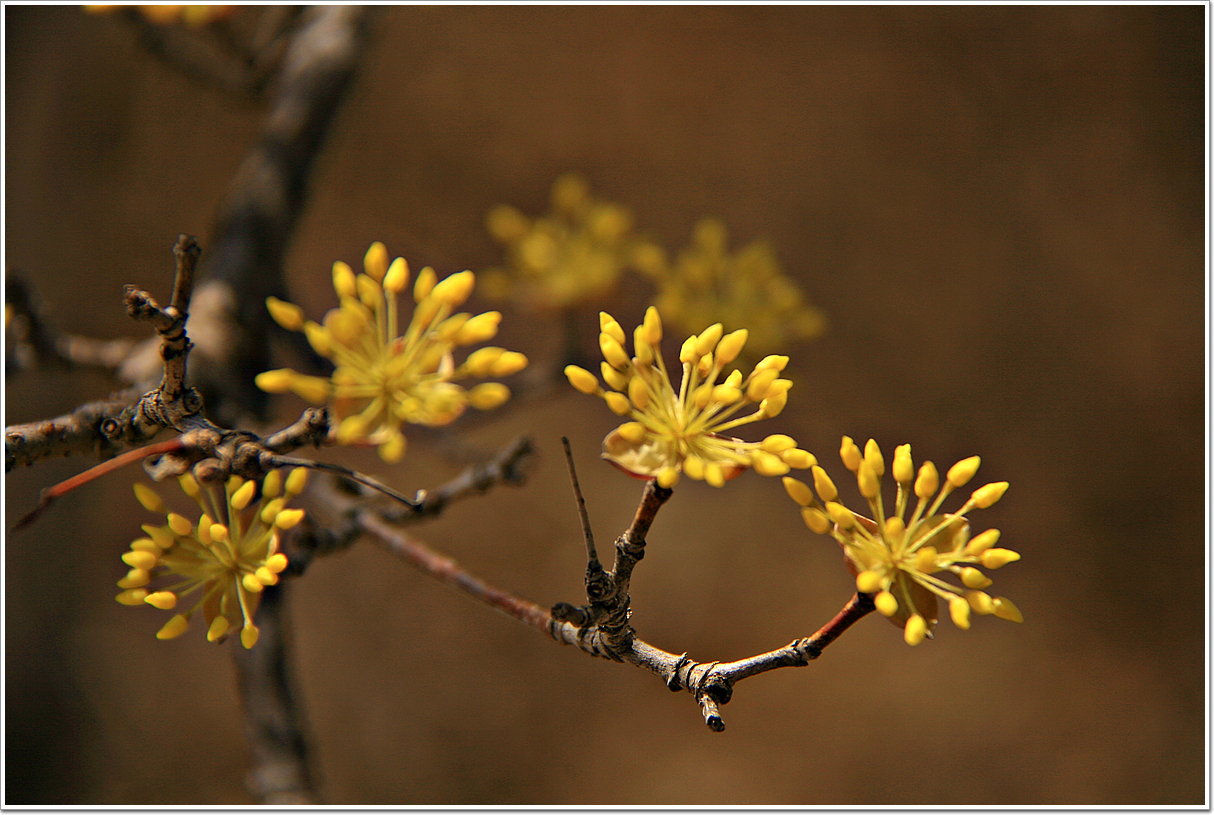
(1000, 210)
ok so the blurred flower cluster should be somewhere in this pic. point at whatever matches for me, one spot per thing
(707, 284)
(572, 255)
(384, 379)
(580, 251)
(194, 16)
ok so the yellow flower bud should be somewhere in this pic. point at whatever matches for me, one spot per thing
(375, 262)
(248, 635)
(397, 277)
(175, 627)
(638, 392)
(983, 497)
(618, 380)
(668, 477)
(798, 459)
(778, 443)
(146, 545)
(189, 485)
(1005, 609)
(687, 354)
(140, 560)
(713, 474)
(773, 361)
(870, 484)
(959, 610)
(132, 597)
(925, 560)
(760, 381)
(980, 602)
(343, 280)
(824, 486)
(974, 579)
(163, 600)
(708, 340)
(693, 465)
(480, 361)
(613, 351)
(886, 604)
(488, 395)
(287, 315)
(318, 338)
(798, 491)
(219, 627)
(455, 289)
(478, 329)
(151, 501)
(927, 482)
(840, 514)
(632, 432)
(726, 394)
(251, 583)
(729, 347)
(370, 293)
(768, 464)
(288, 518)
(868, 582)
(581, 379)
(773, 406)
(904, 468)
(509, 363)
(982, 542)
(618, 403)
(816, 520)
(313, 389)
(609, 326)
(393, 450)
(241, 498)
(297, 480)
(996, 558)
(643, 352)
(179, 524)
(961, 472)
(916, 629)
(424, 285)
(133, 580)
(872, 454)
(653, 326)
(850, 453)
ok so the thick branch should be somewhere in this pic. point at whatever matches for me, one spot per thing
(273, 718)
(77, 433)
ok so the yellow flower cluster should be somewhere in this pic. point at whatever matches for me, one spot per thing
(195, 16)
(898, 559)
(228, 557)
(575, 253)
(672, 432)
(383, 380)
(707, 284)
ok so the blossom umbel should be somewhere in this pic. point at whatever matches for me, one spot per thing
(575, 253)
(383, 380)
(898, 559)
(226, 558)
(681, 431)
(707, 284)
(195, 16)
